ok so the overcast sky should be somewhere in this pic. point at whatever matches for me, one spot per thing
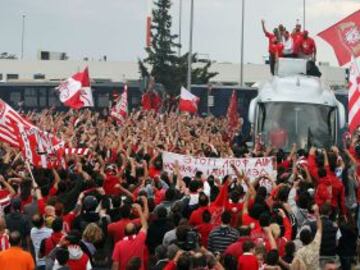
(116, 28)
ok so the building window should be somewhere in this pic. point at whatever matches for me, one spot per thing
(39, 76)
(54, 98)
(12, 76)
(15, 97)
(42, 97)
(135, 101)
(30, 97)
(103, 100)
(1, 77)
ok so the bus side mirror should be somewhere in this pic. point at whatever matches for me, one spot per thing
(252, 110)
(342, 114)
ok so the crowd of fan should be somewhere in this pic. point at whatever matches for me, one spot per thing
(282, 43)
(117, 208)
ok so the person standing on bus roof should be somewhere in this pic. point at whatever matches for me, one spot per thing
(275, 47)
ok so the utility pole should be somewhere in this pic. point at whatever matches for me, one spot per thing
(304, 14)
(180, 24)
(22, 36)
(242, 44)
(190, 46)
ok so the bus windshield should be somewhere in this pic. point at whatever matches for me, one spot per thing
(281, 124)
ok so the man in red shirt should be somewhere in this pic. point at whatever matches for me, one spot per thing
(133, 245)
(248, 261)
(236, 249)
(196, 215)
(205, 228)
(297, 36)
(308, 47)
(275, 47)
(116, 230)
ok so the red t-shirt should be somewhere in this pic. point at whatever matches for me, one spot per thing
(67, 221)
(235, 249)
(297, 37)
(109, 185)
(196, 216)
(117, 229)
(235, 209)
(248, 261)
(247, 220)
(308, 46)
(276, 49)
(129, 247)
(204, 230)
(272, 39)
(79, 264)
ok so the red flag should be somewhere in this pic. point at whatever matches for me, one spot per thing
(188, 102)
(232, 114)
(120, 110)
(151, 100)
(344, 37)
(354, 96)
(146, 102)
(76, 92)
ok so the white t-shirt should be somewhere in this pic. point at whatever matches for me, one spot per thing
(37, 235)
(288, 46)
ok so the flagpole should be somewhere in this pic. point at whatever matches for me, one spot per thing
(190, 46)
(30, 171)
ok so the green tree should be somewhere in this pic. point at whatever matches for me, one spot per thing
(166, 67)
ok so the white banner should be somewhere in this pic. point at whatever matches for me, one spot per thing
(218, 167)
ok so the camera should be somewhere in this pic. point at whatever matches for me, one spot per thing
(192, 240)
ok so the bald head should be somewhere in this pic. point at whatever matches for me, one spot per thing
(15, 238)
(130, 229)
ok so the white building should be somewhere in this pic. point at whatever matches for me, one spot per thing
(55, 70)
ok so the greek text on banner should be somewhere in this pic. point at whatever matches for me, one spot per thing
(218, 167)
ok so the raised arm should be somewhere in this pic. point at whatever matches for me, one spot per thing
(7, 185)
(144, 224)
(263, 27)
(57, 178)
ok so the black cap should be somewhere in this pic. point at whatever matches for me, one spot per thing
(90, 203)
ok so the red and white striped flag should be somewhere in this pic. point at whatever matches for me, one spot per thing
(76, 92)
(7, 132)
(120, 111)
(354, 96)
(38, 147)
(77, 151)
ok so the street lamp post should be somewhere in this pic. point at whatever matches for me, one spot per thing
(190, 46)
(242, 44)
(304, 14)
(22, 36)
(180, 25)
